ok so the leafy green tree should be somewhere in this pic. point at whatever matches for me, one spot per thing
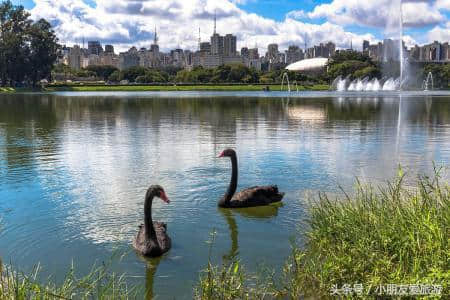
(132, 73)
(43, 51)
(27, 50)
(14, 26)
(102, 71)
(116, 76)
(353, 63)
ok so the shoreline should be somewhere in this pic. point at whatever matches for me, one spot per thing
(159, 88)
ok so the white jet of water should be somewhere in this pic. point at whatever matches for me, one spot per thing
(376, 85)
(389, 85)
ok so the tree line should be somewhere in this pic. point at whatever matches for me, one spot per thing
(28, 49)
(235, 73)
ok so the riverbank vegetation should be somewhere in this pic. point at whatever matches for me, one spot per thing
(225, 74)
(205, 87)
(28, 49)
(100, 283)
(370, 238)
(394, 235)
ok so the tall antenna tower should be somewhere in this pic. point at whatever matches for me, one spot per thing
(305, 40)
(199, 39)
(215, 20)
(155, 38)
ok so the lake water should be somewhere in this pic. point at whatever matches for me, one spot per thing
(74, 168)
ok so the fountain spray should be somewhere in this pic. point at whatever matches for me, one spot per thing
(401, 45)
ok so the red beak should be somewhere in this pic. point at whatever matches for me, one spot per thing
(221, 155)
(163, 197)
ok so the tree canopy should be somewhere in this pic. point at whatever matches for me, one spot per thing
(353, 63)
(28, 49)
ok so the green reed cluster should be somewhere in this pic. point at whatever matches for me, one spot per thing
(390, 235)
(100, 283)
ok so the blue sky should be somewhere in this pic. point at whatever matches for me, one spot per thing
(129, 22)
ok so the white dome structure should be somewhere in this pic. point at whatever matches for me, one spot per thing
(312, 64)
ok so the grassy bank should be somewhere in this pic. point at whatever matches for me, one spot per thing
(372, 237)
(359, 245)
(144, 88)
(100, 283)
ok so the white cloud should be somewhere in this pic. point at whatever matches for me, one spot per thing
(440, 33)
(125, 23)
(443, 4)
(296, 14)
(379, 13)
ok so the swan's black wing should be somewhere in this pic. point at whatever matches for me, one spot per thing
(152, 247)
(163, 238)
(257, 196)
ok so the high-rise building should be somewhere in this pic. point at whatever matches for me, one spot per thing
(294, 54)
(253, 53)
(94, 47)
(365, 47)
(272, 51)
(75, 57)
(129, 59)
(109, 48)
(205, 47)
(229, 44)
(217, 44)
(245, 53)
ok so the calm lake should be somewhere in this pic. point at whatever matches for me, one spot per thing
(74, 169)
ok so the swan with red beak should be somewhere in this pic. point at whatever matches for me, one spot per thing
(152, 238)
(254, 196)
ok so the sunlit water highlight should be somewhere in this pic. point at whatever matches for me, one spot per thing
(74, 169)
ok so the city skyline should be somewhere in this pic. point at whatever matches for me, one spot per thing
(131, 23)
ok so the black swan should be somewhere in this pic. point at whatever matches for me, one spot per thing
(152, 239)
(254, 196)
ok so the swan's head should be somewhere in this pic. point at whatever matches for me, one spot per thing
(158, 191)
(227, 153)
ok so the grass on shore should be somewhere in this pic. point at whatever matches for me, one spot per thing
(100, 283)
(156, 88)
(393, 235)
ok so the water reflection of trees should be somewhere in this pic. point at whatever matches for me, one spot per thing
(33, 122)
(29, 124)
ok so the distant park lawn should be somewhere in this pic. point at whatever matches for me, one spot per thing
(142, 88)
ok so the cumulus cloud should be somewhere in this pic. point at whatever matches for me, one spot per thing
(127, 23)
(296, 14)
(440, 33)
(416, 13)
(443, 4)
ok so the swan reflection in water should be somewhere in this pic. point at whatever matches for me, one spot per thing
(259, 212)
(150, 272)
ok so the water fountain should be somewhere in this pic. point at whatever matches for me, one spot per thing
(402, 58)
(285, 75)
(296, 85)
(426, 82)
(374, 84)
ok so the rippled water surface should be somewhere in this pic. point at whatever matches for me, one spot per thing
(74, 169)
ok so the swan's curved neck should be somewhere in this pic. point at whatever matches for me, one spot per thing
(233, 183)
(148, 222)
